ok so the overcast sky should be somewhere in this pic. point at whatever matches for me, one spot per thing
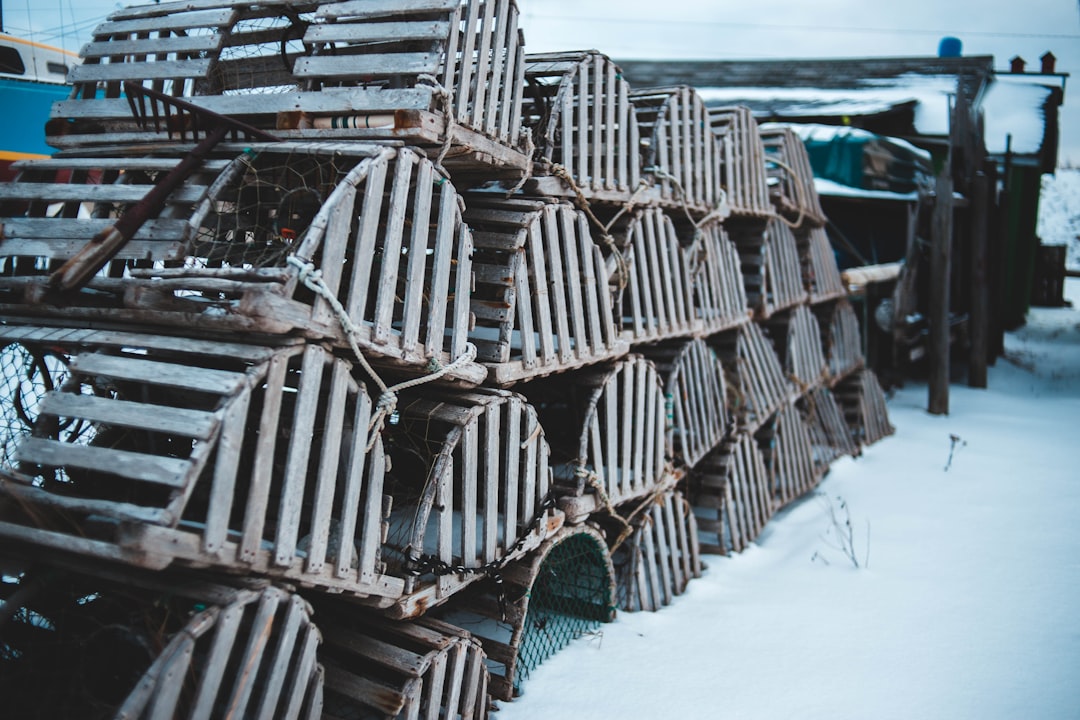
(725, 29)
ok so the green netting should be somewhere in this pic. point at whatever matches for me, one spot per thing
(571, 596)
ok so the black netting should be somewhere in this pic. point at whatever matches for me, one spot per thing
(571, 596)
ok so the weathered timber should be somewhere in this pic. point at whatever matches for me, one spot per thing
(863, 402)
(821, 275)
(797, 338)
(656, 562)
(136, 645)
(657, 300)
(252, 463)
(830, 436)
(719, 293)
(743, 175)
(380, 224)
(424, 668)
(694, 386)
(608, 431)
(840, 338)
(756, 383)
(445, 75)
(780, 274)
(542, 302)
(578, 108)
(789, 456)
(792, 188)
(679, 150)
(470, 484)
(730, 494)
(560, 592)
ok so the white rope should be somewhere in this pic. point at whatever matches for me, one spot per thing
(385, 406)
(449, 120)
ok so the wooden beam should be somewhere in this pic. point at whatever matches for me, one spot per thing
(979, 327)
(940, 260)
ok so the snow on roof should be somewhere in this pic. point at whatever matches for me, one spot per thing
(813, 132)
(830, 188)
(1015, 107)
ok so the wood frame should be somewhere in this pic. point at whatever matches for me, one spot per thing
(830, 435)
(424, 668)
(694, 384)
(731, 497)
(657, 561)
(578, 106)
(470, 475)
(757, 386)
(797, 339)
(841, 339)
(719, 293)
(433, 73)
(743, 178)
(678, 142)
(788, 166)
(542, 301)
(863, 402)
(821, 275)
(504, 628)
(789, 456)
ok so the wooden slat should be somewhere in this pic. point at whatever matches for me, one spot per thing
(113, 193)
(367, 66)
(222, 382)
(168, 471)
(359, 9)
(172, 22)
(158, 70)
(155, 418)
(375, 31)
(153, 46)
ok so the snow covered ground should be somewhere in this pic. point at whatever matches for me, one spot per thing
(1059, 213)
(967, 608)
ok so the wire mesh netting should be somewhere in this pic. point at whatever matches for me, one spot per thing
(27, 373)
(570, 597)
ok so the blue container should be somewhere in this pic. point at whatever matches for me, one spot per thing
(950, 47)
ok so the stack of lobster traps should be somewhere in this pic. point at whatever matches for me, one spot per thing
(355, 361)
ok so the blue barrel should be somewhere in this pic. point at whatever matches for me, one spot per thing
(950, 47)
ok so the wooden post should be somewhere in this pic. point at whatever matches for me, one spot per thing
(980, 289)
(940, 252)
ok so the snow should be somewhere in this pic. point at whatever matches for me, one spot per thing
(832, 188)
(1059, 213)
(1014, 116)
(967, 607)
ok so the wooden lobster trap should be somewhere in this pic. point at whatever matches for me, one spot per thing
(542, 300)
(344, 243)
(559, 593)
(830, 436)
(821, 274)
(578, 106)
(797, 339)
(730, 493)
(776, 284)
(656, 271)
(840, 338)
(863, 402)
(789, 456)
(756, 383)
(608, 428)
(792, 190)
(694, 386)
(719, 292)
(446, 74)
(471, 485)
(154, 450)
(679, 151)
(744, 177)
(374, 668)
(132, 646)
(656, 562)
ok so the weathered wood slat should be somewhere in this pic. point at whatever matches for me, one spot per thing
(781, 285)
(540, 306)
(160, 70)
(658, 300)
(454, 458)
(830, 435)
(694, 381)
(157, 46)
(430, 670)
(578, 108)
(682, 154)
(730, 493)
(657, 561)
(820, 271)
(863, 402)
(841, 338)
(792, 191)
(719, 295)
(359, 66)
(757, 386)
(743, 169)
(113, 193)
(160, 418)
(563, 590)
(796, 336)
(788, 454)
